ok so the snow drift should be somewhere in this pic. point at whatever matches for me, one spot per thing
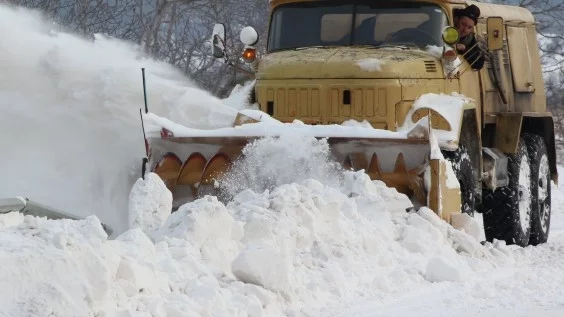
(301, 249)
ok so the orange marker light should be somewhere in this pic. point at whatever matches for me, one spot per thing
(449, 55)
(249, 55)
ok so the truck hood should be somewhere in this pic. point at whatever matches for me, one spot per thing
(349, 62)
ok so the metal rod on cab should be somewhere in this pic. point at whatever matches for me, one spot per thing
(144, 90)
(145, 159)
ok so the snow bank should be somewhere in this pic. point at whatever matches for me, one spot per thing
(300, 249)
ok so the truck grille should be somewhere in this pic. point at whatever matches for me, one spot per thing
(330, 103)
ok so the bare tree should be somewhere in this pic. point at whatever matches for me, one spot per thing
(176, 31)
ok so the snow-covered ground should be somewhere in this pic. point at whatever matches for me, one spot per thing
(332, 243)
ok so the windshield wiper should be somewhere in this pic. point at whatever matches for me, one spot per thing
(403, 46)
(308, 47)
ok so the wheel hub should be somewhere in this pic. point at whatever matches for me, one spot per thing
(524, 194)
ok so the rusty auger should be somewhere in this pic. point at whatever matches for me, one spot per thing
(399, 163)
(408, 182)
(196, 176)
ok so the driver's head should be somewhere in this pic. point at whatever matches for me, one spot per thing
(466, 19)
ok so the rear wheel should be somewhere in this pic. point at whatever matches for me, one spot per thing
(540, 189)
(507, 210)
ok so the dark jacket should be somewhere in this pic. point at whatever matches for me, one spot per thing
(475, 56)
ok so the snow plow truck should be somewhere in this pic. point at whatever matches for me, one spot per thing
(327, 62)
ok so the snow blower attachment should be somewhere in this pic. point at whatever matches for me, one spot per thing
(192, 166)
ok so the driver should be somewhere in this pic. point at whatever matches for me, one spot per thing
(464, 21)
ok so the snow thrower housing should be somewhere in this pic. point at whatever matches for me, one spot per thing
(393, 64)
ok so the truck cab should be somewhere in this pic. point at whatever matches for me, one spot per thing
(331, 61)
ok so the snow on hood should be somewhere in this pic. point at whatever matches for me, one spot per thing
(451, 107)
(298, 250)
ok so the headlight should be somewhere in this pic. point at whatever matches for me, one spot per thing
(450, 35)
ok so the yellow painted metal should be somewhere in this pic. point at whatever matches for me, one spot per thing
(331, 101)
(437, 121)
(510, 124)
(495, 30)
(402, 108)
(443, 200)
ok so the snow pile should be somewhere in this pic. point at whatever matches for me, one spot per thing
(299, 250)
(152, 205)
(70, 115)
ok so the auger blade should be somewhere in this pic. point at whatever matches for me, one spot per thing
(188, 179)
(356, 161)
(374, 168)
(167, 168)
(216, 167)
(192, 170)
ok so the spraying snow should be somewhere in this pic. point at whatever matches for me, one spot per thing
(70, 115)
(271, 162)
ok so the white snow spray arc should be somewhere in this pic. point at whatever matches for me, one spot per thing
(70, 130)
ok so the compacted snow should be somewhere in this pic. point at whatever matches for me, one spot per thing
(319, 241)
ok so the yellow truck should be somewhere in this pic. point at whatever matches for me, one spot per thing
(331, 61)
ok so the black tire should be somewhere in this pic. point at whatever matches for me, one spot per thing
(540, 189)
(507, 210)
(462, 166)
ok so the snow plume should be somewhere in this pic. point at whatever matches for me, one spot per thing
(270, 162)
(302, 249)
(70, 129)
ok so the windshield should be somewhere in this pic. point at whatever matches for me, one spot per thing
(336, 23)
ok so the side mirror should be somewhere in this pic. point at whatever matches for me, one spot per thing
(249, 36)
(218, 40)
(495, 33)
(450, 35)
